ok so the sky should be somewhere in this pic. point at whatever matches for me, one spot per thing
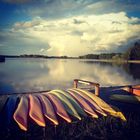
(68, 27)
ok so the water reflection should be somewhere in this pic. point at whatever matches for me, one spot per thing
(23, 75)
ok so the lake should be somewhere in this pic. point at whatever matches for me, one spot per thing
(34, 74)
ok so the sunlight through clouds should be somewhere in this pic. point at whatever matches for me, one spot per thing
(68, 27)
(79, 35)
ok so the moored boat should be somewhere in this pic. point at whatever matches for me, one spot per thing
(133, 89)
(2, 58)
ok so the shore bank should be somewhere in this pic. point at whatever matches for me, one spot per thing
(103, 128)
(112, 61)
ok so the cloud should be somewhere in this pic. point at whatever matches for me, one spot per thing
(74, 36)
(52, 9)
(27, 24)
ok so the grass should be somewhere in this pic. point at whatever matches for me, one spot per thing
(104, 128)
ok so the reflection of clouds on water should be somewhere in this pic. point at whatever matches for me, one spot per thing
(47, 74)
(108, 75)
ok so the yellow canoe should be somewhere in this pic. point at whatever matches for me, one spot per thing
(47, 108)
(103, 105)
(83, 104)
(68, 106)
(35, 111)
(90, 102)
(58, 106)
(73, 102)
(22, 112)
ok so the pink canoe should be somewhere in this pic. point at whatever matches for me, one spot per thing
(90, 102)
(83, 104)
(58, 106)
(35, 111)
(48, 110)
(21, 113)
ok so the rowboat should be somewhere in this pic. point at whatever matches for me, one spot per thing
(126, 98)
(90, 101)
(73, 102)
(83, 104)
(58, 106)
(47, 108)
(103, 105)
(67, 104)
(22, 112)
(35, 111)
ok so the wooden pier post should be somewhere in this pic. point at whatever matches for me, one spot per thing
(97, 86)
(75, 83)
(97, 89)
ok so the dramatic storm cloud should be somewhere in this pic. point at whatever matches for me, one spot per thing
(68, 27)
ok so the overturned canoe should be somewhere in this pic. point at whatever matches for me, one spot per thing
(22, 112)
(67, 104)
(47, 109)
(103, 105)
(10, 108)
(90, 102)
(35, 111)
(59, 108)
(73, 102)
(83, 104)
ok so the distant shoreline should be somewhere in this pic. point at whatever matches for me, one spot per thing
(66, 57)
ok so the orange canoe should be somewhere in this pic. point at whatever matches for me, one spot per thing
(83, 104)
(90, 101)
(134, 90)
(35, 111)
(21, 113)
(58, 106)
(47, 108)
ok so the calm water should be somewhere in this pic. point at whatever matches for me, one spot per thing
(23, 75)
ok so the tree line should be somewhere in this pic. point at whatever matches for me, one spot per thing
(133, 53)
